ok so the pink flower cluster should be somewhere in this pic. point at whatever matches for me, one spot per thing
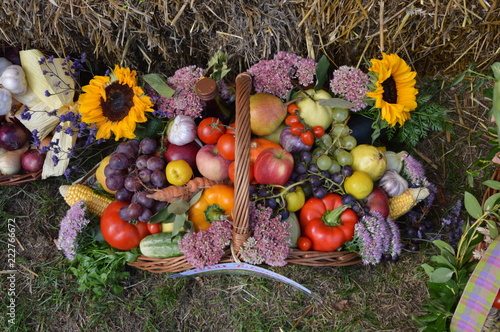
(275, 76)
(377, 236)
(206, 248)
(270, 242)
(352, 84)
(185, 100)
(71, 225)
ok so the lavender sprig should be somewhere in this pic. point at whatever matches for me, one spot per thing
(71, 225)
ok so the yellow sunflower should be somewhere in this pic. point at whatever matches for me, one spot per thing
(115, 104)
(395, 92)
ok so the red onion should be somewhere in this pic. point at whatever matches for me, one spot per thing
(13, 136)
(292, 143)
(32, 160)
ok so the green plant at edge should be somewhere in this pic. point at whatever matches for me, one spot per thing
(452, 268)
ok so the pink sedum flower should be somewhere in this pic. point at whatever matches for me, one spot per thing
(352, 84)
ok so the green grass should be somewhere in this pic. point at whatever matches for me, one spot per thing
(355, 298)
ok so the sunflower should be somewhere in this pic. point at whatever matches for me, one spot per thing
(395, 92)
(115, 104)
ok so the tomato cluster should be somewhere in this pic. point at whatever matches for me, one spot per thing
(299, 128)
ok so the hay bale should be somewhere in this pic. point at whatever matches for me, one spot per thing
(165, 35)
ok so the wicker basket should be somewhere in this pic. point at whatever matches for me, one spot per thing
(241, 230)
(13, 180)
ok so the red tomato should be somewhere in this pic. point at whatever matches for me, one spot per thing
(307, 138)
(297, 129)
(154, 228)
(496, 302)
(293, 108)
(118, 233)
(210, 129)
(231, 172)
(304, 243)
(226, 146)
(318, 131)
(231, 128)
(291, 120)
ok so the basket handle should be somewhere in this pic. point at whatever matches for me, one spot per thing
(241, 227)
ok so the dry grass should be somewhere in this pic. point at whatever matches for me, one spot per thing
(435, 36)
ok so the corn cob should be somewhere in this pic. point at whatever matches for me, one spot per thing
(403, 203)
(95, 203)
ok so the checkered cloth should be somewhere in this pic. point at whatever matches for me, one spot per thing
(480, 291)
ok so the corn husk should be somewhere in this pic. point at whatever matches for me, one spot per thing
(40, 119)
(65, 143)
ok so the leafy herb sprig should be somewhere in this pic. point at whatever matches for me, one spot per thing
(451, 269)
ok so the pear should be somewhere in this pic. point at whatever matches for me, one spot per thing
(267, 112)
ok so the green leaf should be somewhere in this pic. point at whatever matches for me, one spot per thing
(492, 184)
(472, 205)
(161, 216)
(428, 269)
(336, 103)
(492, 228)
(178, 206)
(491, 202)
(441, 274)
(159, 84)
(444, 246)
(459, 78)
(195, 198)
(321, 72)
(178, 223)
(442, 261)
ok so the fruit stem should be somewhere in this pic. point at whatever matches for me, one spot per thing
(332, 217)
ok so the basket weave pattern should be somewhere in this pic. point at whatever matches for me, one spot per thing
(13, 180)
(241, 228)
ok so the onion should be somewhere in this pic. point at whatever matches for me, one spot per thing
(13, 136)
(32, 160)
(292, 143)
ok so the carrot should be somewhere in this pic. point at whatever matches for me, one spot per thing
(172, 193)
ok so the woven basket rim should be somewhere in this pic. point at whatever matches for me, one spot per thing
(17, 179)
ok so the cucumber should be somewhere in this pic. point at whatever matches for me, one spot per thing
(160, 245)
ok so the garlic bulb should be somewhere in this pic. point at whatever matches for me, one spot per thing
(393, 183)
(14, 80)
(5, 101)
(4, 63)
(182, 130)
(395, 160)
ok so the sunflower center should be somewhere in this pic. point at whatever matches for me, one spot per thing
(390, 94)
(119, 101)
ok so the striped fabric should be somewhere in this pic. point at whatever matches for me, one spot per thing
(480, 291)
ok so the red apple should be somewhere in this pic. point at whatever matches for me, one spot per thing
(211, 164)
(187, 152)
(273, 166)
(378, 201)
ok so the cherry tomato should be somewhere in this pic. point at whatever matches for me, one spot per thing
(231, 128)
(210, 129)
(496, 302)
(118, 233)
(226, 146)
(292, 119)
(318, 131)
(293, 108)
(307, 138)
(154, 228)
(231, 172)
(297, 129)
(304, 243)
